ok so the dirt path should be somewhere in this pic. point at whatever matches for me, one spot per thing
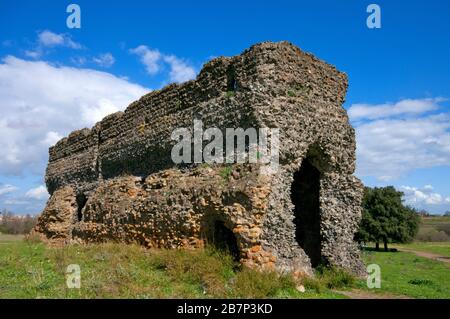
(364, 294)
(427, 255)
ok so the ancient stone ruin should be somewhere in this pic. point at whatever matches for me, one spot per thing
(117, 181)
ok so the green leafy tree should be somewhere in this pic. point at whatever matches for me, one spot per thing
(385, 219)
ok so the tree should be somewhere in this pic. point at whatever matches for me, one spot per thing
(385, 219)
(447, 213)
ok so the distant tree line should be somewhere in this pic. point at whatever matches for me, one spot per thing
(425, 213)
(13, 224)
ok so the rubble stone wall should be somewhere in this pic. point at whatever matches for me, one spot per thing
(117, 181)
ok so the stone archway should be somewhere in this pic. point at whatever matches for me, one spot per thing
(305, 195)
(225, 240)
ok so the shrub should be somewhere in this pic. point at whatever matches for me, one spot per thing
(420, 282)
(291, 93)
(226, 173)
(445, 228)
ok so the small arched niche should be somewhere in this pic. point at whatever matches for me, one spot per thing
(224, 239)
(231, 80)
(81, 202)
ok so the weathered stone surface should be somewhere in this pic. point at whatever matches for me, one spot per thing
(59, 216)
(122, 167)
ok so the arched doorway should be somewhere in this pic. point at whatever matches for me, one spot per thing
(224, 239)
(305, 195)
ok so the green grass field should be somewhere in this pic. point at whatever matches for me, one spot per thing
(33, 270)
(5, 238)
(432, 226)
(438, 248)
(406, 274)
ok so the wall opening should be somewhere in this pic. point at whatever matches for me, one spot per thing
(305, 195)
(231, 80)
(81, 202)
(225, 240)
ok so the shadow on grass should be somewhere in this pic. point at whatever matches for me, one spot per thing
(381, 250)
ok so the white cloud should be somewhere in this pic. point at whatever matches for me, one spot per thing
(391, 147)
(6, 189)
(403, 107)
(33, 53)
(104, 106)
(179, 72)
(38, 193)
(42, 102)
(79, 60)
(49, 39)
(51, 138)
(150, 58)
(415, 196)
(104, 60)
(15, 201)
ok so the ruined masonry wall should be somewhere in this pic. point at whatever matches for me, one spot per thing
(134, 192)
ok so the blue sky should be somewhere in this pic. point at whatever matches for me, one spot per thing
(54, 79)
